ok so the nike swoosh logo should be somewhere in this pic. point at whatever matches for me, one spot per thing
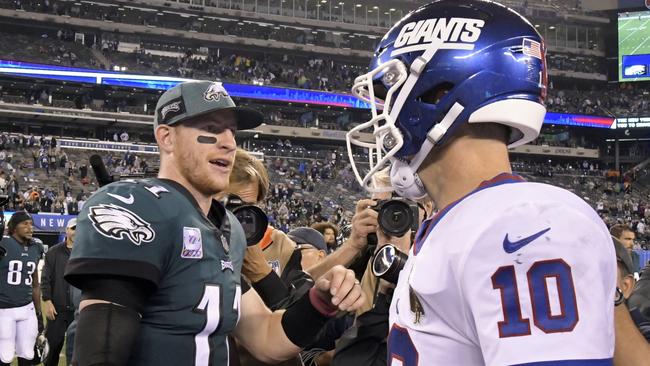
(511, 247)
(128, 200)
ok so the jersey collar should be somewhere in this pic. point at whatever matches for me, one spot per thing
(429, 224)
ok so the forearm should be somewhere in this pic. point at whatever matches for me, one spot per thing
(631, 348)
(36, 297)
(343, 256)
(105, 334)
(277, 346)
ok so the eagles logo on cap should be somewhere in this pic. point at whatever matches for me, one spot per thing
(214, 92)
(171, 109)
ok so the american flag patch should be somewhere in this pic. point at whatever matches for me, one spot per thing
(532, 48)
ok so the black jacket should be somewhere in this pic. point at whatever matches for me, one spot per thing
(53, 286)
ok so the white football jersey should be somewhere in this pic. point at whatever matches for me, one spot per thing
(514, 273)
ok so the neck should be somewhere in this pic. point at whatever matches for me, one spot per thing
(68, 243)
(169, 171)
(461, 166)
(19, 240)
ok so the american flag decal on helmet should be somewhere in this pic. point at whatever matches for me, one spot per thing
(533, 48)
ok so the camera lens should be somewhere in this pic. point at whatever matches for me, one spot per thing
(388, 263)
(254, 222)
(395, 218)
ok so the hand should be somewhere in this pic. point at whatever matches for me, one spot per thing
(340, 288)
(255, 266)
(50, 311)
(364, 222)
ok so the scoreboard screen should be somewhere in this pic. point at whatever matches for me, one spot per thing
(634, 46)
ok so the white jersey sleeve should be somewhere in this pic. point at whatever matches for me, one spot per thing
(539, 283)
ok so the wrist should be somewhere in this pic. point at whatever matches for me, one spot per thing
(322, 303)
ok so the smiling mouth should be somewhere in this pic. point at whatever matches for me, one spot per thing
(220, 163)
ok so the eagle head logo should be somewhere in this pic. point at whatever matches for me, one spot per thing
(214, 92)
(117, 222)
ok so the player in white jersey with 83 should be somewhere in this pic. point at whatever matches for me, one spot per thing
(508, 272)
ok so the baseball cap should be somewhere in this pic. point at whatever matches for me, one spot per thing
(18, 217)
(71, 223)
(307, 235)
(195, 98)
(623, 256)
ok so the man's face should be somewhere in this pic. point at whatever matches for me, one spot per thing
(69, 233)
(248, 192)
(330, 238)
(205, 151)
(310, 255)
(627, 239)
(24, 230)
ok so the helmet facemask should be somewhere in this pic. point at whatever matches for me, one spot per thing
(388, 138)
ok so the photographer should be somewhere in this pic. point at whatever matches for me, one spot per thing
(249, 181)
(365, 343)
(276, 255)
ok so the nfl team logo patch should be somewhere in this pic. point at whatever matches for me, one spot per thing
(275, 265)
(192, 243)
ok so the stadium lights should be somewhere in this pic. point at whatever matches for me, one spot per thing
(551, 27)
(359, 5)
(375, 7)
(341, 3)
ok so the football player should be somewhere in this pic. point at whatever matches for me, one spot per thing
(507, 272)
(20, 293)
(159, 261)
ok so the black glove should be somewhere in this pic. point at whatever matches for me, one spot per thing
(41, 325)
(3, 252)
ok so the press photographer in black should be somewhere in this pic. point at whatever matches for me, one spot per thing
(395, 222)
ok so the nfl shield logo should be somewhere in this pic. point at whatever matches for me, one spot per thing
(192, 243)
(275, 265)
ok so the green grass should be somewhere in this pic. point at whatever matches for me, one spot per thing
(633, 39)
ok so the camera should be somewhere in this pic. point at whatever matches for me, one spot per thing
(253, 220)
(397, 216)
(388, 262)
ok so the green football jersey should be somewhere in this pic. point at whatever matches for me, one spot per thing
(16, 270)
(153, 229)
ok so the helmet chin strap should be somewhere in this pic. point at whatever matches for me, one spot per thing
(403, 175)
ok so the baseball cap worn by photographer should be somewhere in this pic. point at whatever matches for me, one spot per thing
(307, 235)
(195, 98)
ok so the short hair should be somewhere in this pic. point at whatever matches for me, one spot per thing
(617, 230)
(492, 131)
(321, 226)
(246, 168)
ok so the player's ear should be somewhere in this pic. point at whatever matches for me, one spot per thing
(628, 286)
(165, 138)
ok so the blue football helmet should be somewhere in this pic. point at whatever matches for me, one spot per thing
(447, 63)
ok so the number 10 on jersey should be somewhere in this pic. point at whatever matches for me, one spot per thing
(514, 325)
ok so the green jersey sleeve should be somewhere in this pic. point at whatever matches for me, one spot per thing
(121, 231)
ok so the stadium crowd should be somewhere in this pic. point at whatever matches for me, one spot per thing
(40, 176)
